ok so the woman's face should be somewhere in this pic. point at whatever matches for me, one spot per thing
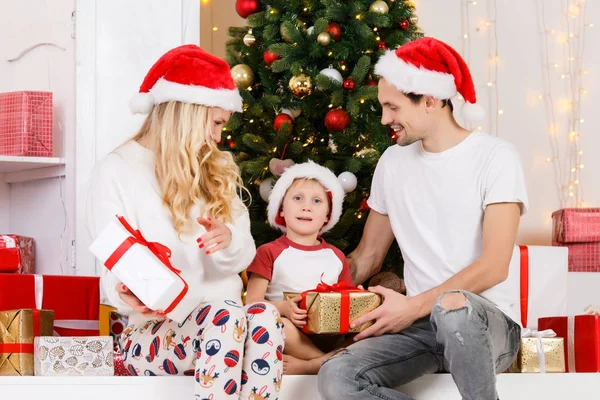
(219, 119)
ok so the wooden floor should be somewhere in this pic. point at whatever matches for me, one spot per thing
(431, 387)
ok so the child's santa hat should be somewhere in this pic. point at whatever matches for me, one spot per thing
(430, 67)
(307, 170)
(190, 75)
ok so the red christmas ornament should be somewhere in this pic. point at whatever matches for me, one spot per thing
(335, 31)
(364, 206)
(382, 45)
(404, 24)
(231, 144)
(371, 82)
(246, 7)
(349, 85)
(337, 120)
(280, 119)
(270, 57)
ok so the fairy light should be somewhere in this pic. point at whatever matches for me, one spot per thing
(567, 166)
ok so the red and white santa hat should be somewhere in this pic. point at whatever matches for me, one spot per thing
(190, 75)
(306, 170)
(430, 67)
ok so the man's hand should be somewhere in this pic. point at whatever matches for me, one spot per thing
(217, 236)
(295, 313)
(132, 300)
(395, 314)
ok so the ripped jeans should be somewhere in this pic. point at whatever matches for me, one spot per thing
(473, 342)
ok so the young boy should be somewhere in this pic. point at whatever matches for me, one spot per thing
(305, 202)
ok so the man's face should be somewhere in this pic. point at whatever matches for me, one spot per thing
(408, 120)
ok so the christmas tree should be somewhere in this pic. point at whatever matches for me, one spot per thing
(305, 72)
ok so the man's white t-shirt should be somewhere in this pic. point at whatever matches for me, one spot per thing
(435, 203)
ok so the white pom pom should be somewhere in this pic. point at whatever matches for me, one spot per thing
(472, 112)
(141, 103)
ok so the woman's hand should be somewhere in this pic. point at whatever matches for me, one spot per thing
(131, 299)
(295, 313)
(217, 236)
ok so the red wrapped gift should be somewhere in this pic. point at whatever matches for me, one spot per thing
(26, 124)
(582, 340)
(74, 299)
(576, 225)
(17, 254)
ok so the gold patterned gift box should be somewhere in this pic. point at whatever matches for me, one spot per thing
(541, 352)
(329, 313)
(17, 330)
(69, 356)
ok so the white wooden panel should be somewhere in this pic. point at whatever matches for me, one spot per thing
(117, 44)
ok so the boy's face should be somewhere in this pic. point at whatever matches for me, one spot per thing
(305, 207)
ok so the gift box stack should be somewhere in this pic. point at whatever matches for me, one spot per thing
(579, 230)
(17, 254)
(49, 326)
(26, 123)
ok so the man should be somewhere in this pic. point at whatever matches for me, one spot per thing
(452, 199)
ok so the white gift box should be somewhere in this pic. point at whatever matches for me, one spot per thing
(157, 285)
(67, 356)
(545, 292)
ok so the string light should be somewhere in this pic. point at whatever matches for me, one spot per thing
(568, 167)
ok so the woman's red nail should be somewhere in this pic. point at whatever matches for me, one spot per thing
(202, 245)
(207, 251)
(125, 288)
(199, 240)
(210, 219)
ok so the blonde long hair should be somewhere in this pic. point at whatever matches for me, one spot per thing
(190, 168)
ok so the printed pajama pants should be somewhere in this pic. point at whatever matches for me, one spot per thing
(232, 352)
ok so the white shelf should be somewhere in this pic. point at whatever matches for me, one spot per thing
(19, 169)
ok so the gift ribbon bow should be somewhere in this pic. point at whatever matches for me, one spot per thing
(162, 252)
(532, 333)
(341, 287)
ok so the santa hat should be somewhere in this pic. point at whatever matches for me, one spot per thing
(190, 75)
(307, 170)
(430, 67)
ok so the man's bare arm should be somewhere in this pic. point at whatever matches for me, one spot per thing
(500, 225)
(365, 261)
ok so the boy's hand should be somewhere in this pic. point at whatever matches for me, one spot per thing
(132, 300)
(217, 236)
(295, 313)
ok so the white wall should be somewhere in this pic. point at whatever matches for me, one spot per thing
(36, 208)
(520, 81)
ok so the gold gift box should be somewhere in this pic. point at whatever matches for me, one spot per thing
(528, 361)
(324, 309)
(16, 327)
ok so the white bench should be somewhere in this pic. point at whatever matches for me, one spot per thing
(434, 387)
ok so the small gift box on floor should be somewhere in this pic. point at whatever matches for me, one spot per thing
(26, 123)
(17, 254)
(582, 335)
(68, 356)
(75, 300)
(540, 352)
(145, 268)
(579, 230)
(332, 308)
(17, 331)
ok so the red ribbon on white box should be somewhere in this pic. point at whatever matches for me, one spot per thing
(82, 324)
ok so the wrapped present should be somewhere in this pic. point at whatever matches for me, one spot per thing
(17, 254)
(26, 123)
(582, 335)
(145, 268)
(67, 356)
(541, 352)
(542, 282)
(75, 300)
(576, 225)
(17, 331)
(332, 308)
(578, 229)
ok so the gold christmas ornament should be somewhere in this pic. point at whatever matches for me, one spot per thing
(414, 20)
(243, 76)
(301, 25)
(379, 7)
(300, 85)
(249, 39)
(324, 39)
